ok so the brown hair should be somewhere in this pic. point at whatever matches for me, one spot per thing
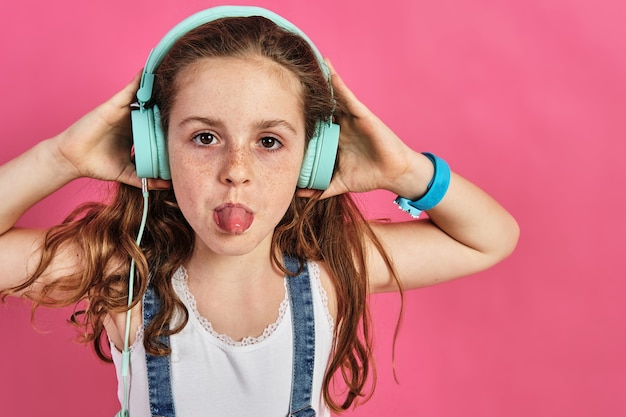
(331, 230)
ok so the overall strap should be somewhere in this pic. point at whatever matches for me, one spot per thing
(159, 372)
(302, 317)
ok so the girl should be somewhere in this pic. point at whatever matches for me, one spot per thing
(249, 294)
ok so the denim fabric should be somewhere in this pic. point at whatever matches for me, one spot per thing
(303, 339)
(159, 373)
(301, 299)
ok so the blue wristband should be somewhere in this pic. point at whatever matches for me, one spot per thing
(435, 191)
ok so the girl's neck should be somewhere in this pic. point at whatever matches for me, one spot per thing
(215, 269)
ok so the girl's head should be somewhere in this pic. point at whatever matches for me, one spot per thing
(250, 94)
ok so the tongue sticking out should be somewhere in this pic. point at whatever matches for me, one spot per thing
(233, 219)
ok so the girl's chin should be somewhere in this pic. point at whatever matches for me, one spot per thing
(223, 243)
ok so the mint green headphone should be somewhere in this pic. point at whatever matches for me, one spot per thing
(151, 159)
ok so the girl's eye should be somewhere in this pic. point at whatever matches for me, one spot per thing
(204, 138)
(270, 143)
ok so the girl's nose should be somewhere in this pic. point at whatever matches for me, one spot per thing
(237, 166)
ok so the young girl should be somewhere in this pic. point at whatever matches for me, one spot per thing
(248, 289)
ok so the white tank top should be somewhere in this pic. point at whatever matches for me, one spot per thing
(212, 375)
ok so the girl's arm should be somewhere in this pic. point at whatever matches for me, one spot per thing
(466, 232)
(24, 181)
(96, 146)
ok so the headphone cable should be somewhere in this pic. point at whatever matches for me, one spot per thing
(126, 351)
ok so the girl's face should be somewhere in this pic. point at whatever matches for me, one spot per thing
(236, 143)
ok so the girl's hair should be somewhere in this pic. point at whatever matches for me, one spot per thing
(331, 230)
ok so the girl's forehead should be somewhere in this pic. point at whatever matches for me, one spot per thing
(233, 67)
(253, 88)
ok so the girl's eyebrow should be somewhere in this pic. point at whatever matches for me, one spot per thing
(264, 124)
(202, 120)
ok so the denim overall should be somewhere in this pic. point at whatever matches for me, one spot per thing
(301, 301)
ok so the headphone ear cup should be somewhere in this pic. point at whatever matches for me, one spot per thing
(319, 159)
(163, 161)
(142, 119)
(151, 159)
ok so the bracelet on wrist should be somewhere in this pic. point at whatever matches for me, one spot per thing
(435, 191)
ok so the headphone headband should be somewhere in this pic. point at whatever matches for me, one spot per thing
(158, 53)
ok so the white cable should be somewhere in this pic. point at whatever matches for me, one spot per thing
(126, 351)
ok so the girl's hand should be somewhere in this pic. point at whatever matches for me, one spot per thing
(99, 144)
(371, 156)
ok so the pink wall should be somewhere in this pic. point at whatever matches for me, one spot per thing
(525, 98)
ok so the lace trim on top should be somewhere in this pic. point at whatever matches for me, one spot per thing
(180, 277)
(138, 338)
(133, 346)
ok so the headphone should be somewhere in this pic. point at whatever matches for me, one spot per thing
(151, 159)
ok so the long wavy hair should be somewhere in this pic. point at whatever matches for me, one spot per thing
(330, 230)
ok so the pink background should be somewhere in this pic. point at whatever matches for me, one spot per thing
(526, 98)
